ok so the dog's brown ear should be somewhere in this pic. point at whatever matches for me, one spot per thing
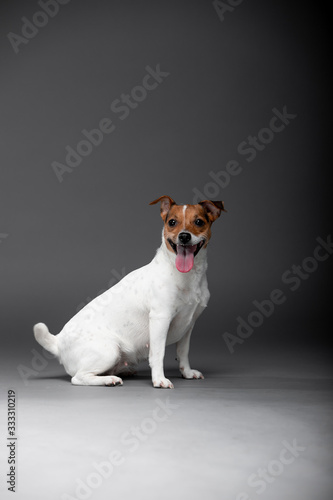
(166, 204)
(213, 208)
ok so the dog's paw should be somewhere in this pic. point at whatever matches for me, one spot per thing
(113, 380)
(163, 383)
(190, 374)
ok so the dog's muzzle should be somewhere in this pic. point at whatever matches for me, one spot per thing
(185, 253)
(184, 238)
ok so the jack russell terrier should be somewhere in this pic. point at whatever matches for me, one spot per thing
(150, 308)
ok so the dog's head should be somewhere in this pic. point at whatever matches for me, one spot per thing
(187, 228)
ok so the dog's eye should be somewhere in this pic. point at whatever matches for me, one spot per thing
(172, 222)
(199, 222)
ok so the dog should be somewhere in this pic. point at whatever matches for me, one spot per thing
(150, 308)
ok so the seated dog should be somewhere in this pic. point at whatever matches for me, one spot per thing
(150, 308)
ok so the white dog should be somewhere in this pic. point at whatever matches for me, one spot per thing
(150, 308)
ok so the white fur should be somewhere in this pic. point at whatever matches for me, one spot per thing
(148, 309)
(184, 210)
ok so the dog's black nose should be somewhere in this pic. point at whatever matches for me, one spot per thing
(184, 238)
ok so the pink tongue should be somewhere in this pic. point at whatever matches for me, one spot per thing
(185, 258)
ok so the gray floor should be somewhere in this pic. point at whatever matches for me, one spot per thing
(258, 427)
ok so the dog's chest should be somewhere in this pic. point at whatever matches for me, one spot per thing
(188, 306)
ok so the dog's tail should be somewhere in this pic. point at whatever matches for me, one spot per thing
(46, 339)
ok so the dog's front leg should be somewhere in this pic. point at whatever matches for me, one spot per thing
(183, 347)
(158, 331)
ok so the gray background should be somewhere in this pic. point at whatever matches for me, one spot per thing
(64, 242)
(67, 240)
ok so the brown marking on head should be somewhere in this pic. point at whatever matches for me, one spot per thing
(195, 219)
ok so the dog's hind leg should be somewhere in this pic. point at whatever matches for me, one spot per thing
(90, 378)
(95, 367)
